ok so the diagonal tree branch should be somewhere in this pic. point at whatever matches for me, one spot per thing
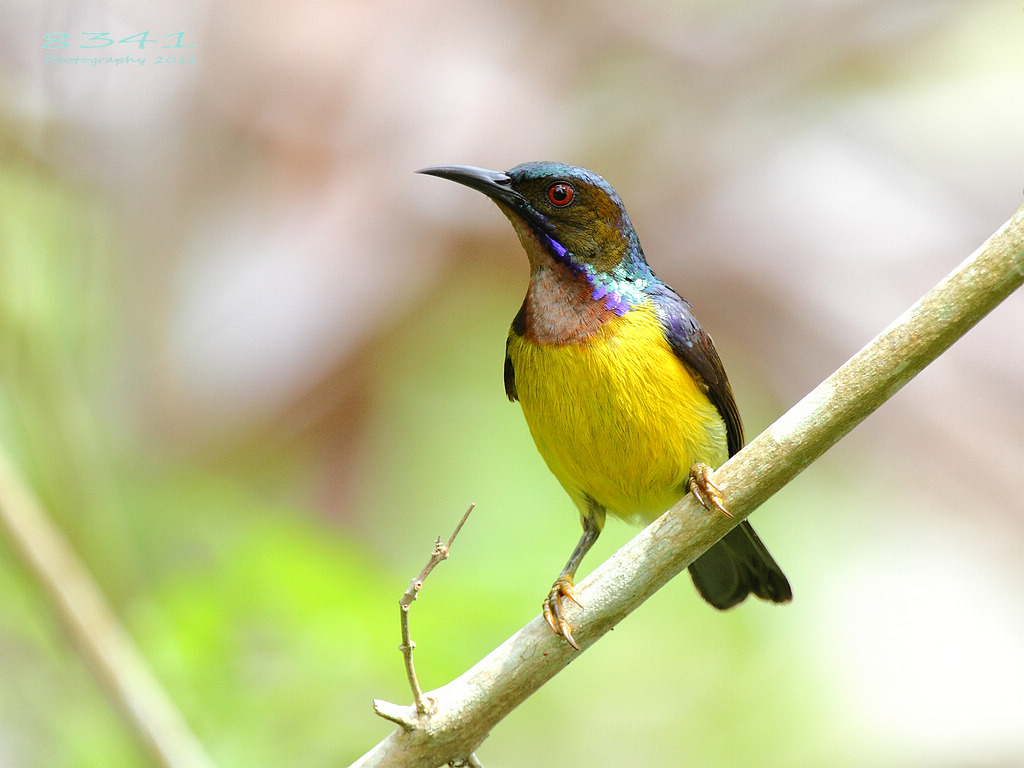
(95, 630)
(467, 708)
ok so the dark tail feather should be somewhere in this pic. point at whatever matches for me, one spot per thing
(737, 566)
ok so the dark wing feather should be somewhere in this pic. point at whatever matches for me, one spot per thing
(694, 347)
(510, 378)
(739, 564)
(518, 329)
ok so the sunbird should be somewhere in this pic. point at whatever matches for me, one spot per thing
(622, 389)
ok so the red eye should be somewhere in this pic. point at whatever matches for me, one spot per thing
(560, 194)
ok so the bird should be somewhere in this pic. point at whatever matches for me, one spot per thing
(623, 391)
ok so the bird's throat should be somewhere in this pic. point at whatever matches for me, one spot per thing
(559, 307)
(567, 301)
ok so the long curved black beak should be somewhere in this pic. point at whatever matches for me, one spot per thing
(497, 185)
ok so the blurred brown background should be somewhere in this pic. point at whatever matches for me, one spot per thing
(252, 364)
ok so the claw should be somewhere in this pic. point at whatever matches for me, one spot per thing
(563, 587)
(707, 492)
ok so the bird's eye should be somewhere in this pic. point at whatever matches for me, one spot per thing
(561, 194)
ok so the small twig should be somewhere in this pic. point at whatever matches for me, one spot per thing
(441, 549)
(396, 713)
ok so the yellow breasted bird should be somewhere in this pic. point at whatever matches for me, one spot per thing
(623, 391)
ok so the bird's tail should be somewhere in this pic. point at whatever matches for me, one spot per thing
(737, 566)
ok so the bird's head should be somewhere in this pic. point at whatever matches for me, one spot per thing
(562, 213)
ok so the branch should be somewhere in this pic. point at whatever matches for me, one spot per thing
(94, 627)
(385, 709)
(467, 708)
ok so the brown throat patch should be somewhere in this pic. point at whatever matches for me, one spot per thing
(558, 308)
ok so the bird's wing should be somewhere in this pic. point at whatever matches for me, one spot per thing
(693, 346)
(518, 329)
(510, 378)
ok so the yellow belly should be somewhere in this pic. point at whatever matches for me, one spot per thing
(618, 418)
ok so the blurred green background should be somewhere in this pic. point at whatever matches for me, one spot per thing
(252, 366)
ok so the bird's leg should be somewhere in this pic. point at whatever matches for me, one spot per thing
(707, 492)
(563, 586)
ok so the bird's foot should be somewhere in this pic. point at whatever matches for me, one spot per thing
(707, 492)
(563, 587)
